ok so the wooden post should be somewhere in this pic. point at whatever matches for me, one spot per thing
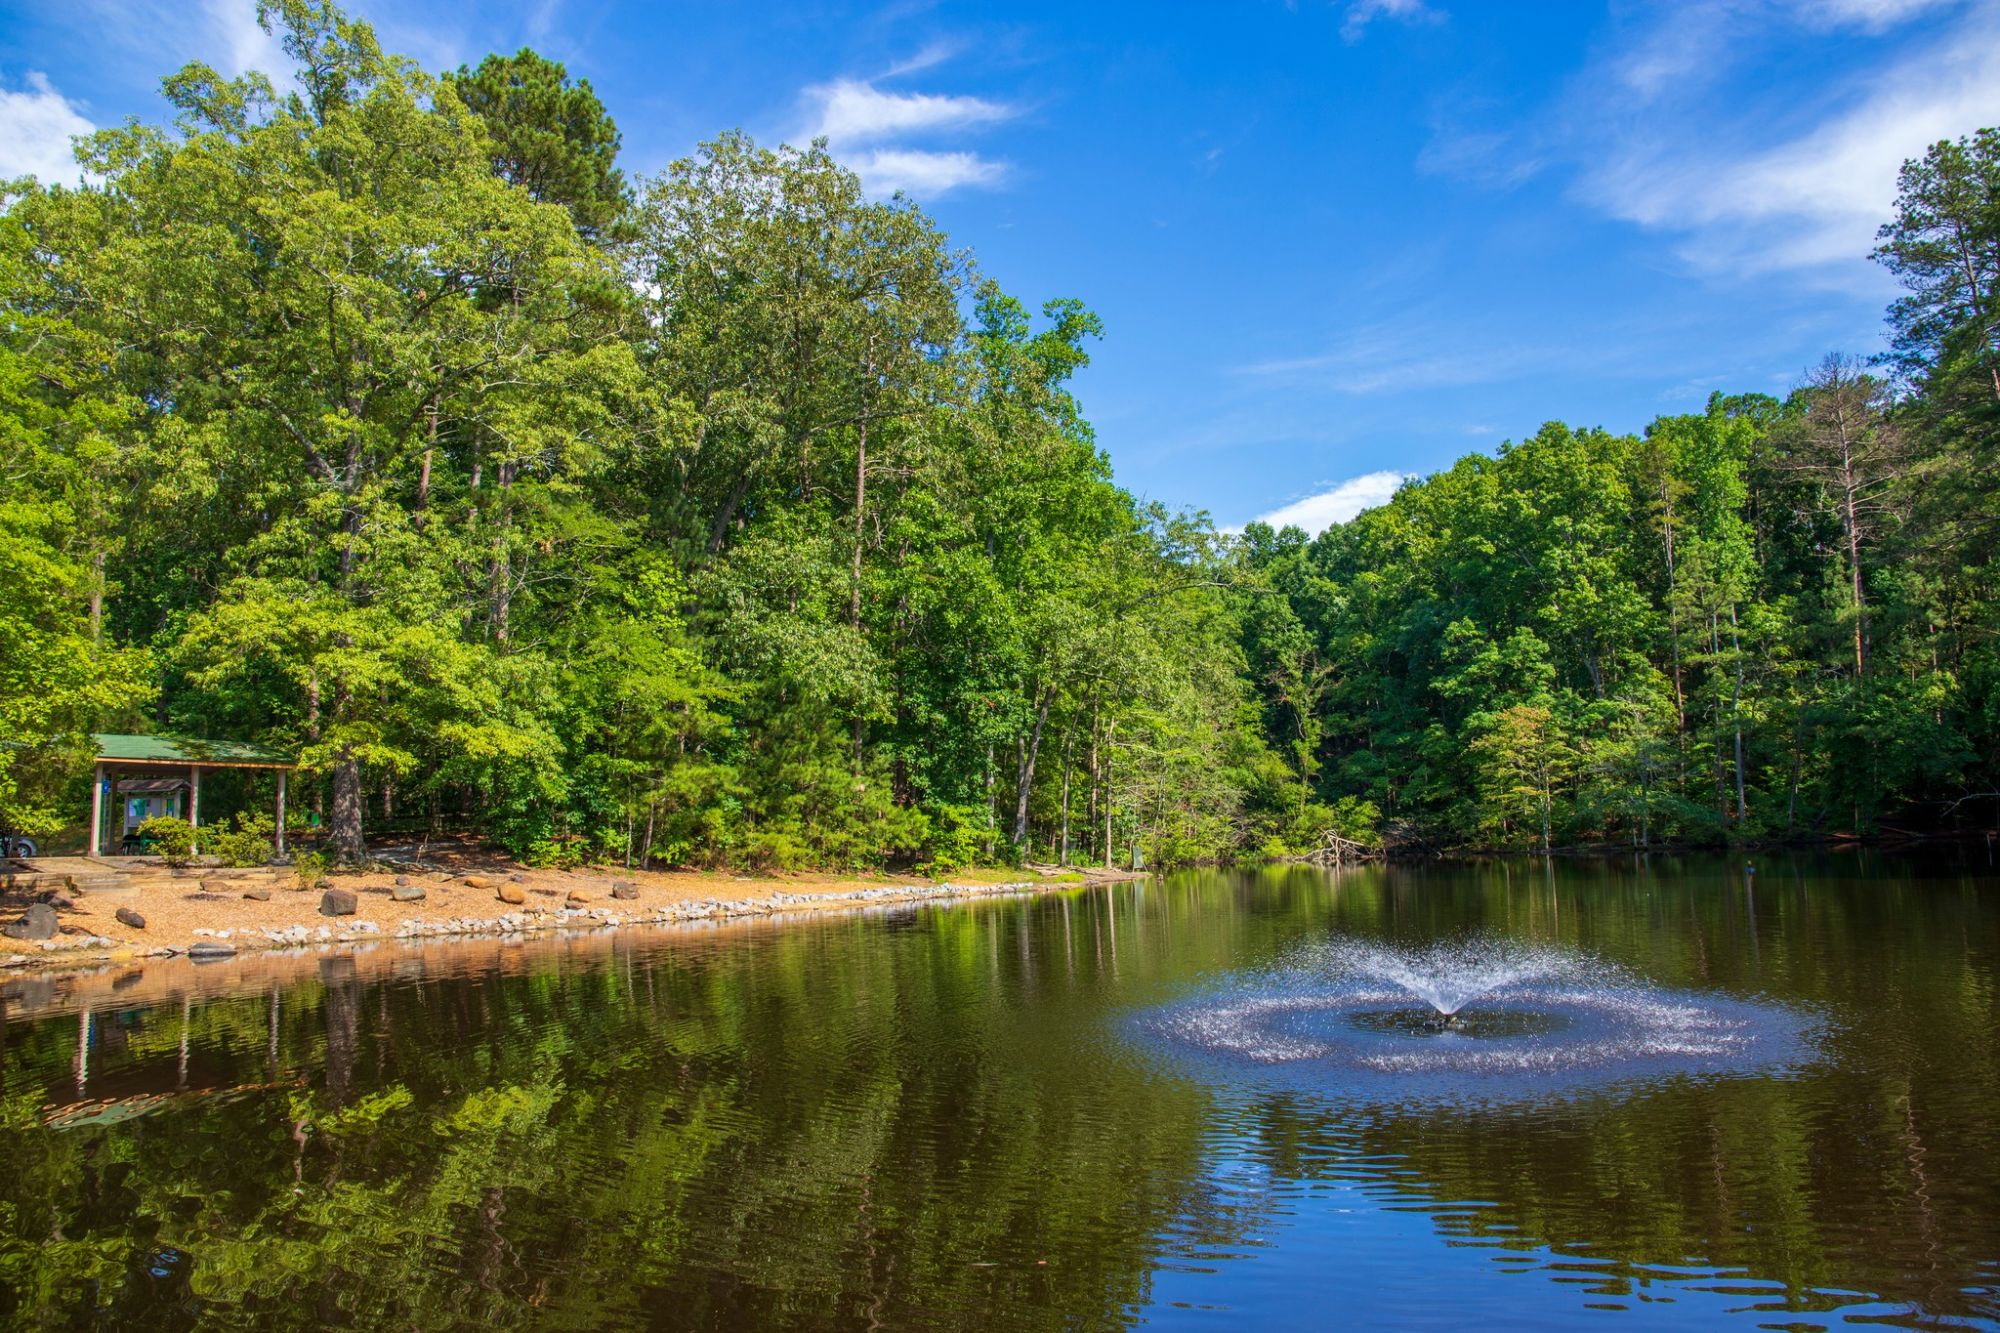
(281, 812)
(194, 803)
(97, 812)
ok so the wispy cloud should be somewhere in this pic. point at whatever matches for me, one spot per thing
(1871, 15)
(914, 171)
(36, 126)
(936, 53)
(871, 128)
(1669, 127)
(243, 41)
(1818, 196)
(1361, 13)
(1416, 350)
(852, 111)
(1317, 512)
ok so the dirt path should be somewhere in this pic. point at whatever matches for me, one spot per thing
(464, 893)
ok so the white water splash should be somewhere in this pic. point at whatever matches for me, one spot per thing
(1349, 1018)
(1451, 974)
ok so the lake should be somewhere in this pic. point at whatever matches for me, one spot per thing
(1767, 1098)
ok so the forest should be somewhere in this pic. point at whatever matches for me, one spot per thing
(732, 517)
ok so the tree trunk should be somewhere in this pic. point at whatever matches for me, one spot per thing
(1062, 847)
(97, 597)
(501, 572)
(1736, 713)
(312, 734)
(1110, 735)
(348, 846)
(1026, 774)
(1854, 568)
(424, 474)
(992, 805)
(1673, 621)
(1090, 805)
(720, 526)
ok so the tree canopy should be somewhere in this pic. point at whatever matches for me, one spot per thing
(732, 516)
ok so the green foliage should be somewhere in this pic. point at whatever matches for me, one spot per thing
(734, 519)
(1735, 626)
(249, 842)
(549, 136)
(309, 871)
(170, 838)
(957, 836)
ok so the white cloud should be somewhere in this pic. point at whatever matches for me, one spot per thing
(1360, 13)
(935, 53)
(1872, 15)
(851, 111)
(234, 25)
(915, 171)
(1316, 513)
(1673, 125)
(1690, 42)
(870, 129)
(36, 126)
(1817, 197)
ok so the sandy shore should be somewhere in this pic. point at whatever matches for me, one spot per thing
(464, 894)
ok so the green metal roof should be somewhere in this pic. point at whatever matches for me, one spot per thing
(188, 750)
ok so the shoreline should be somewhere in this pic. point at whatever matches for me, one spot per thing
(1410, 854)
(204, 916)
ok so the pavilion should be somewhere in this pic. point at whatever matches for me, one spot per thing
(166, 771)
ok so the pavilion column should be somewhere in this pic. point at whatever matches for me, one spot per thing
(194, 802)
(281, 812)
(97, 812)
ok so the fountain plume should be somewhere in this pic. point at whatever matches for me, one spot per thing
(1450, 974)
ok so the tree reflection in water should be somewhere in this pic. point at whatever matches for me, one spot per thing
(940, 1119)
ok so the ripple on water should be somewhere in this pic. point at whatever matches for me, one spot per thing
(1468, 1020)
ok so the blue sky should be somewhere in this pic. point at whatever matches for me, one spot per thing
(1332, 241)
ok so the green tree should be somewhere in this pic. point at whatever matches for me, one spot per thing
(548, 135)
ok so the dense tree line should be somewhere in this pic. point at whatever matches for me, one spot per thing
(729, 516)
(726, 516)
(1768, 619)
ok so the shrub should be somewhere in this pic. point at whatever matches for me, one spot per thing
(1358, 821)
(560, 851)
(310, 869)
(248, 844)
(171, 837)
(957, 838)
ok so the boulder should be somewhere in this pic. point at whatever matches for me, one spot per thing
(258, 893)
(128, 917)
(477, 882)
(624, 890)
(39, 924)
(508, 893)
(62, 902)
(337, 902)
(577, 898)
(208, 950)
(402, 881)
(517, 878)
(406, 892)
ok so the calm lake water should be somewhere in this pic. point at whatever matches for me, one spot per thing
(990, 1115)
